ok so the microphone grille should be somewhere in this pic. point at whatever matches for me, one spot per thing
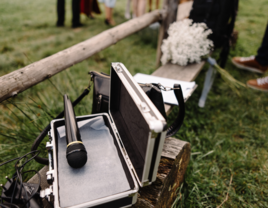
(76, 155)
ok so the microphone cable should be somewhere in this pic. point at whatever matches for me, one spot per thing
(43, 134)
(17, 181)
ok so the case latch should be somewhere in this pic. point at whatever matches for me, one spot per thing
(118, 68)
(46, 193)
(50, 171)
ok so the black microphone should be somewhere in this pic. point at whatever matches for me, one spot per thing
(76, 153)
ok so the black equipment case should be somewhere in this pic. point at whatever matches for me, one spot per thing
(137, 133)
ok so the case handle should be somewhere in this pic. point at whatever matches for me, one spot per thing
(179, 120)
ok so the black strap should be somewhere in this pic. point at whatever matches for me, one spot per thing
(175, 127)
(43, 134)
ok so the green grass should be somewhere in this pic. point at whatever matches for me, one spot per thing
(28, 34)
(228, 137)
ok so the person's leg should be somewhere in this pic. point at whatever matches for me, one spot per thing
(262, 56)
(127, 12)
(76, 13)
(107, 13)
(60, 12)
(141, 7)
(109, 16)
(109, 5)
(111, 19)
(90, 11)
(135, 8)
(157, 4)
(150, 5)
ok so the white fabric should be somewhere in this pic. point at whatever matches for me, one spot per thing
(168, 96)
(262, 81)
(108, 3)
(247, 58)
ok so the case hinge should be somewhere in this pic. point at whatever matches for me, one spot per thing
(146, 183)
(46, 192)
(50, 171)
(99, 99)
(131, 195)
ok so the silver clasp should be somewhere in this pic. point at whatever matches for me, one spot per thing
(46, 193)
(161, 87)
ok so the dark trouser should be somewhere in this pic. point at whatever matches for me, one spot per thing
(262, 56)
(75, 11)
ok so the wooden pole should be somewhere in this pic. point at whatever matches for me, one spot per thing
(16, 82)
(171, 8)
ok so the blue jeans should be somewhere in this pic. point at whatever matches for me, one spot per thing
(108, 3)
(262, 56)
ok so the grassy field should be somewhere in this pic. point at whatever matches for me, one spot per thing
(228, 137)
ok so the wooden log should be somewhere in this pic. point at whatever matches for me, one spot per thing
(175, 176)
(171, 171)
(24, 78)
(171, 7)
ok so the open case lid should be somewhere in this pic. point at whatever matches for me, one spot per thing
(140, 125)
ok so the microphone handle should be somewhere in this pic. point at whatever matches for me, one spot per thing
(72, 131)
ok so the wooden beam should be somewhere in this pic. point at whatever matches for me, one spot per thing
(24, 78)
(184, 73)
(171, 6)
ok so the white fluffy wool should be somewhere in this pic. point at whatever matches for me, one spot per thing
(187, 43)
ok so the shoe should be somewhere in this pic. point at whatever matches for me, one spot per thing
(127, 15)
(109, 22)
(249, 63)
(106, 21)
(78, 25)
(154, 26)
(60, 25)
(259, 84)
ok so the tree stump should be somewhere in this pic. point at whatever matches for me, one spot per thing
(171, 171)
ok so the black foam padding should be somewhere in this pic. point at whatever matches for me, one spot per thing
(132, 127)
(76, 155)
